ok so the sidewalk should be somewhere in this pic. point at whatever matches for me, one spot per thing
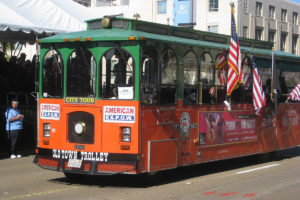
(27, 152)
(26, 145)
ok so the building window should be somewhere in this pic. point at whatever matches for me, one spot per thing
(102, 3)
(162, 7)
(258, 9)
(271, 12)
(295, 18)
(86, 3)
(294, 44)
(271, 36)
(245, 31)
(213, 29)
(213, 5)
(283, 42)
(258, 33)
(283, 15)
(245, 6)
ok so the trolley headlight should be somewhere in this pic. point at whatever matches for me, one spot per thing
(106, 22)
(46, 130)
(79, 128)
(126, 134)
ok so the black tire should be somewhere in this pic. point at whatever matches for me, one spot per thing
(150, 179)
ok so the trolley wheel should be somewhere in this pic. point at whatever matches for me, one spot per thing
(266, 157)
(150, 179)
(75, 176)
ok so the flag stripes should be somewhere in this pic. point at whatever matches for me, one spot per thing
(295, 94)
(246, 80)
(234, 60)
(259, 99)
(221, 61)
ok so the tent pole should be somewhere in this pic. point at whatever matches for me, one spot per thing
(19, 50)
(36, 68)
(11, 51)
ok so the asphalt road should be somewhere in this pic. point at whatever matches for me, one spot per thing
(236, 179)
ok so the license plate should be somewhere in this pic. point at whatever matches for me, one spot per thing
(75, 163)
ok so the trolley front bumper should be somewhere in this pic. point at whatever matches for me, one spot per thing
(91, 163)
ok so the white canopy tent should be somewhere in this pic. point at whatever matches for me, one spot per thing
(24, 20)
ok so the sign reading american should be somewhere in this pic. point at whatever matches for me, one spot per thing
(119, 114)
(50, 111)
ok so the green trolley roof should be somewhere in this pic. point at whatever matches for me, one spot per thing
(121, 29)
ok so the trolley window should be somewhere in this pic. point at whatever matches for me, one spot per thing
(220, 77)
(52, 75)
(81, 73)
(168, 81)
(149, 79)
(247, 80)
(266, 76)
(116, 78)
(291, 79)
(191, 73)
(206, 78)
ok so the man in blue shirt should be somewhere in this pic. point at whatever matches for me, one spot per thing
(14, 126)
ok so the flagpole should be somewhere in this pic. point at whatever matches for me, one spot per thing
(272, 78)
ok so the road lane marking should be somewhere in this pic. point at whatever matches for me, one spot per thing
(228, 194)
(35, 194)
(249, 195)
(209, 193)
(256, 169)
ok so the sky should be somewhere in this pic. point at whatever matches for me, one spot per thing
(298, 1)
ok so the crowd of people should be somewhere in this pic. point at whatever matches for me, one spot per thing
(17, 74)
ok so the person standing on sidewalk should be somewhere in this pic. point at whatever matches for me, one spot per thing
(14, 127)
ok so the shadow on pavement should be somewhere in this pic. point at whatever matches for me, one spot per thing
(179, 174)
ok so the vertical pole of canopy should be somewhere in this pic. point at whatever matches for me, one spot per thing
(20, 49)
(11, 49)
(4, 47)
(36, 88)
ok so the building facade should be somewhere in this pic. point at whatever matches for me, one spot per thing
(270, 20)
(86, 3)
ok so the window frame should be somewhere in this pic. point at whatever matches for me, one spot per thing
(245, 31)
(258, 13)
(213, 26)
(283, 42)
(100, 75)
(220, 87)
(272, 12)
(160, 9)
(295, 18)
(284, 15)
(213, 5)
(246, 6)
(261, 33)
(189, 86)
(274, 36)
(250, 65)
(294, 44)
(67, 69)
(62, 76)
(151, 49)
(207, 85)
(160, 84)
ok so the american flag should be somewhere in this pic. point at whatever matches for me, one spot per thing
(220, 67)
(221, 76)
(246, 79)
(259, 99)
(221, 61)
(295, 94)
(234, 62)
